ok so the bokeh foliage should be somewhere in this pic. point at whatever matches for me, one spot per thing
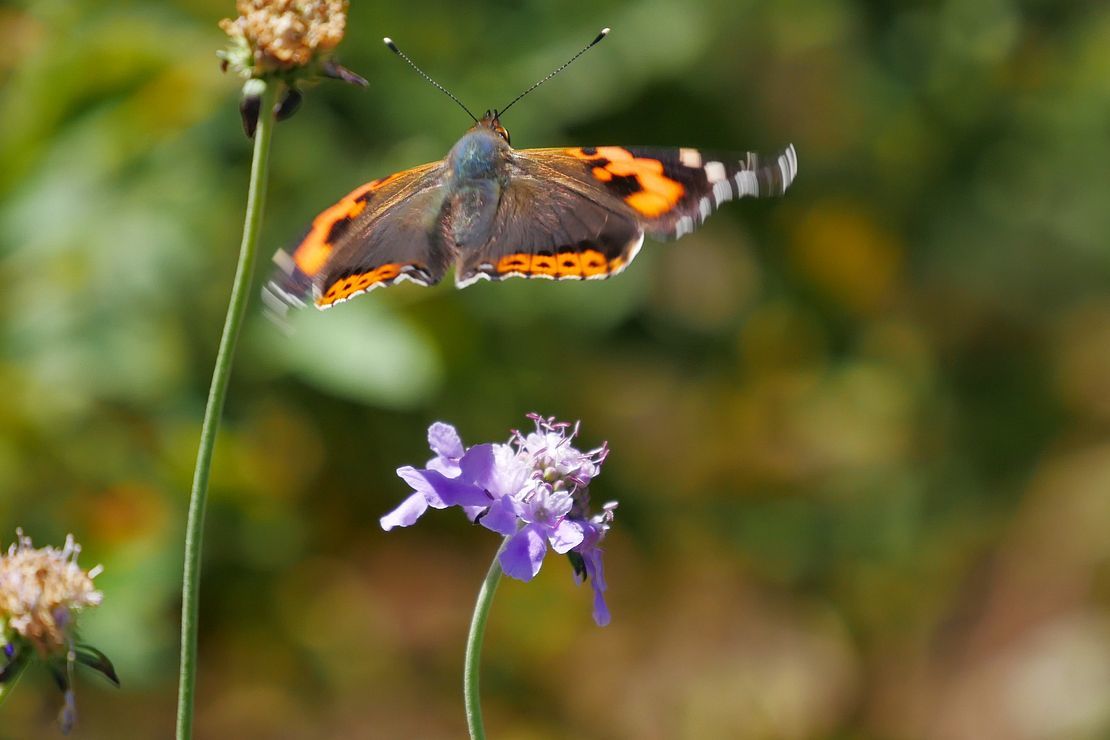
(860, 435)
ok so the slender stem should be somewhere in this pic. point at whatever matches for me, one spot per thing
(474, 647)
(194, 533)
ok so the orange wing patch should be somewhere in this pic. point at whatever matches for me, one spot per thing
(568, 265)
(353, 285)
(314, 250)
(544, 264)
(515, 263)
(593, 263)
(657, 193)
(563, 265)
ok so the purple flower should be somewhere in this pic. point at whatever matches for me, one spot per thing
(534, 490)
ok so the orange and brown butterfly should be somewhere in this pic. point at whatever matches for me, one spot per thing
(494, 212)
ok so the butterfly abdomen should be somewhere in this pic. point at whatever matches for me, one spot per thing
(472, 208)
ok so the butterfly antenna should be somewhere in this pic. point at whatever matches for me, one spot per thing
(393, 47)
(604, 32)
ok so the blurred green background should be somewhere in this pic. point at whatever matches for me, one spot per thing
(861, 434)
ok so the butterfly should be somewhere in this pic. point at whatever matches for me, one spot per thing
(494, 212)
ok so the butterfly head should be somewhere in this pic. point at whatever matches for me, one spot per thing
(493, 123)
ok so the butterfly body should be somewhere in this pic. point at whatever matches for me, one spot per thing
(493, 212)
(477, 173)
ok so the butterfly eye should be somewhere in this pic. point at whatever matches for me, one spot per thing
(503, 134)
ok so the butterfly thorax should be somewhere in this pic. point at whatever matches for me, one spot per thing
(478, 167)
(481, 154)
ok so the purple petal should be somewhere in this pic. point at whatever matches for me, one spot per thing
(566, 536)
(407, 513)
(445, 465)
(523, 556)
(445, 441)
(441, 491)
(601, 609)
(502, 517)
(596, 573)
(510, 471)
(476, 465)
(591, 554)
(419, 483)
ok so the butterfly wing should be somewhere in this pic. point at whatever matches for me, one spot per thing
(671, 191)
(378, 234)
(573, 213)
(582, 212)
(545, 227)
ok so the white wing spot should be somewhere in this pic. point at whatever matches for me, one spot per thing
(633, 251)
(470, 280)
(284, 261)
(684, 226)
(722, 191)
(689, 157)
(704, 208)
(747, 183)
(715, 171)
(788, 165)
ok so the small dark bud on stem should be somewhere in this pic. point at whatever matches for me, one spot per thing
(249, 104)
(288, 105)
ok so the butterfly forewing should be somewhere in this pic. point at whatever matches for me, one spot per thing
(671, 191)
(378, 234)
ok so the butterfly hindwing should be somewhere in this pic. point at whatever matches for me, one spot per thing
(380, 233)
(546, 228)
(671, 191)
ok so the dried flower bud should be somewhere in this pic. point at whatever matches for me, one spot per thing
(288, 105)
(290, 40)
(282, 35)
(249, 104)
(40, 589)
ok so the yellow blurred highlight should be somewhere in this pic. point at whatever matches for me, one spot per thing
(20, 36)
(853, 260)
(125, 512)
(1083, 364)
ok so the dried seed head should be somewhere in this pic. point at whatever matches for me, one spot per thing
(281, 35)
(41, 589)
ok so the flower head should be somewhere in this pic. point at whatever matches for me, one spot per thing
(533, 489)
(41, 592)
(281, 35)
(290, 40)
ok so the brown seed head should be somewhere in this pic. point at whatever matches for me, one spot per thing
(41, 589)
(285, 34)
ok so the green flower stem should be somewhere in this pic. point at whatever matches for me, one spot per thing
(474, 647)
(240, 289)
